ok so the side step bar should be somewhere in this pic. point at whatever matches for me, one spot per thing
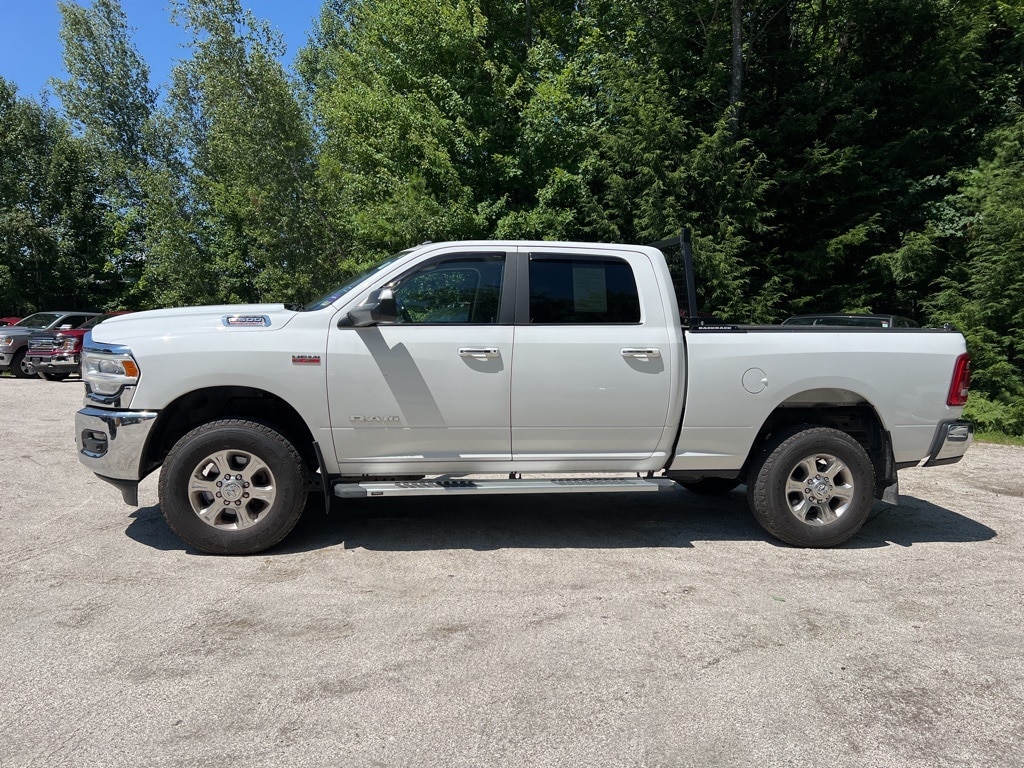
(443, 486)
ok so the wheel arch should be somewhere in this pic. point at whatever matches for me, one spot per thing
(204, 405)
(839, 409)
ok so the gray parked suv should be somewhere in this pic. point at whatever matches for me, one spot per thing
(14, 338)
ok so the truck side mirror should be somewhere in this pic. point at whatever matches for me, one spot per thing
(384, 311)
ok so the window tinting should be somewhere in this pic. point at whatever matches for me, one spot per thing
(594, 290)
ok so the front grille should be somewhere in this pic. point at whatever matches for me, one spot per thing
(42, 345)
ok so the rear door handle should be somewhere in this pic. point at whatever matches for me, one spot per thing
(641, 352)
(479, 353)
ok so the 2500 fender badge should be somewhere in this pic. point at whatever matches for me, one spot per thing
(305, 359)
(246, 321)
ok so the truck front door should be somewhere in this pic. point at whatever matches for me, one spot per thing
(431, 391)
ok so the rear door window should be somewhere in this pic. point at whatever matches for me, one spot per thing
(582, 290)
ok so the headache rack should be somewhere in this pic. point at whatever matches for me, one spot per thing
(692, 319)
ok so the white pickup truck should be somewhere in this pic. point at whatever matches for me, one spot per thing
(453, 369)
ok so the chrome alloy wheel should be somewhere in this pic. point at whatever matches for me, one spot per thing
(819, 489)
(230, 489)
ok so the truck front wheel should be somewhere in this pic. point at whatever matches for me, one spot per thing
(812, 487)
(233, 487)
(20, 368)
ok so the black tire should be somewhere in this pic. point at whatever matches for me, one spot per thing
(812, 487)
(711, 486)
(233, 487)
(55, 376)
(18, 367)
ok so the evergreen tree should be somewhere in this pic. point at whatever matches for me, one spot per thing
(982, 292)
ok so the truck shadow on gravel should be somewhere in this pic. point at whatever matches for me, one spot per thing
(596, 521)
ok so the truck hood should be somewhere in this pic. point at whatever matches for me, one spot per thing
(13, 330)
(183, 321)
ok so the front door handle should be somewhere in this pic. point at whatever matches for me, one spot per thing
(641, 352)
(479, 353)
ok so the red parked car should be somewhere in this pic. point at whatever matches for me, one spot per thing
(8, 321)
(55, 355)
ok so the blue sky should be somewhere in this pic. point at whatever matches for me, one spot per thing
(30, 51)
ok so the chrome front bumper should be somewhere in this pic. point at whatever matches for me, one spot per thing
(53, 364)
(951, 441)
(112, 444)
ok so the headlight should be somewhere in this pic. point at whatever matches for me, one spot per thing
(6, 341)
(107, 368)
(66, 343)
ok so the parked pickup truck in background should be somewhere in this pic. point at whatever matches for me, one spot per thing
(14, 338)
(496, 359)
(55, 355)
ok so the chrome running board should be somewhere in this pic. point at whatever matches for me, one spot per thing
(445, 486)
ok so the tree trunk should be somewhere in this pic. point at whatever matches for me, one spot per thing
(736, 76)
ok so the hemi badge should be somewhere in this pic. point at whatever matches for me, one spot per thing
(305, 359)
(246, 321)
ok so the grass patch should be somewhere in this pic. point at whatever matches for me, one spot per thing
(999, 438)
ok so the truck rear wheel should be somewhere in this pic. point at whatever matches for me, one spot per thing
(233, 487)
(812, 487)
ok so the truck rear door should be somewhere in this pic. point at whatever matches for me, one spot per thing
(595, 360)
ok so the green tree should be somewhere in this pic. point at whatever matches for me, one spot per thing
(612, 152)
(409, 104)
(863, 107)
(543, 120)
(233, 202)
(51, 221)
(982, 291)
(108, 98)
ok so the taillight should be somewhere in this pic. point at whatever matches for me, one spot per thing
(961, 381)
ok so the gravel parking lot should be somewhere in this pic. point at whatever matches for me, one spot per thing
(619, 630)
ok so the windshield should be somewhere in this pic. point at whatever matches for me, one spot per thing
(344, 288)
(39, 320)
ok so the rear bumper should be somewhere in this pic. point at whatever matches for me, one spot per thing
(112, 444)
(951, 441)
